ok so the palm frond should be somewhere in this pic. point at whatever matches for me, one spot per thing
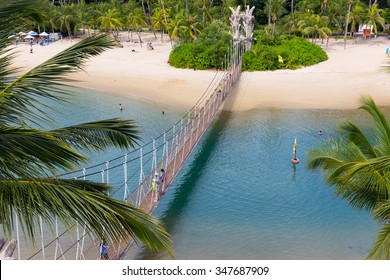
(380, 123)
(382, 211)
(353, 177)
(77, 201)
(47, 80)
(381, 249)
(10, 8)
(26, 152)
(356, 136)
(100, 134)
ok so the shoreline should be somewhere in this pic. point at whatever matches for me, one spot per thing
(145, 75)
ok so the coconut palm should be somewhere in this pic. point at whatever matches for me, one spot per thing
(274, 9)
(357, 15)
(357, 165)
(347, 22)
(375, 17)
(137, 20)
(67, 18)
(315, 26)
(110, 21)
(159, 21)
(177, 27)
(31, 155)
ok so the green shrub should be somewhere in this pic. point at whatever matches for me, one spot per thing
(182, 56)
(208, 51)
(268, 53)
(295, 53)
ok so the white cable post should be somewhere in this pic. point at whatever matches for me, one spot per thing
(125, 177)
(192, 132)
(17, 234)
(102, 175)
(164, 151)
(204, 117)
(154, 160)
(173, 135)
(181, 130)
(198, 127)
(167, 156)
(57, 240)
(107, 173)
(78, 240)
(174, 161)
(43, 245)
(83, 241)
(182, 145)
(141, 171)
(58, 244)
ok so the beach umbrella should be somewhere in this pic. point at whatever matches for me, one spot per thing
(11, 36)
(44, 34)
(29, 37)
(32, 33)
(22, 33)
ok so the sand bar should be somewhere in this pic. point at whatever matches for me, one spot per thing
(336, 83)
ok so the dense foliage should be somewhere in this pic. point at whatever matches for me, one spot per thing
(283, 52)
(205, 52)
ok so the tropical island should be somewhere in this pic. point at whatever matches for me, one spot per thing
(339, 64)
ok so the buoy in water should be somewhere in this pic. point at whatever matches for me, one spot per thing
(295, 160)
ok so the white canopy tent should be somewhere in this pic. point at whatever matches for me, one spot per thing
(44, 34)
(32, 33)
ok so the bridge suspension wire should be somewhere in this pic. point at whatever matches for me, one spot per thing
(168, 151)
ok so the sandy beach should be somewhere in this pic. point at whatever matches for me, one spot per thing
(145, 74)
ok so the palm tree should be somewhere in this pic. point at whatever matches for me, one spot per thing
(110, 21)
(84, 17)
(30, 156)
(177, 27)
(193, 26)
(67, 18)
(150, 22)
(347, 22)
(357, 166)
(357, 15)
(375, 17)
(315, 26)
(159, 21)
(137, 20)
(274, 8)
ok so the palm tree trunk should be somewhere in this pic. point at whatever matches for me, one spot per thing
(143, 6)
(139, 30)
(346, 24)
(269, 12)
(150, 20)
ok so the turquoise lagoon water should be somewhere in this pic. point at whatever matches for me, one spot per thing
(238, 196)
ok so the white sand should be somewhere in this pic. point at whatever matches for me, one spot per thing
(336, 83)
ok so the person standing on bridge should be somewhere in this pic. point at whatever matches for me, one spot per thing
(156, 184)
(103, 250)
(163, 177)
(219, 89)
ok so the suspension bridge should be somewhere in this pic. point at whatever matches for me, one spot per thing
(132, 175)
